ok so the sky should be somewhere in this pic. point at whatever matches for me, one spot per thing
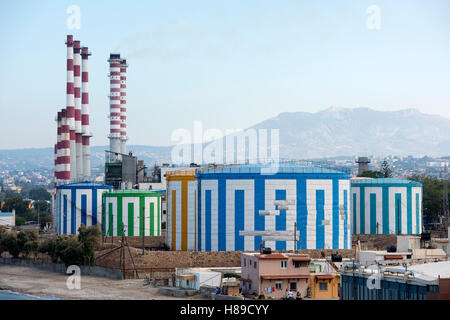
(230, 64)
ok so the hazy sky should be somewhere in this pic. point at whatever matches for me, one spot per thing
(228, 63)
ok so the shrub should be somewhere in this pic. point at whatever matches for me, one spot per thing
(69, 250)
(90, 239)
(12, 244)
(30, 246)
(48, 246)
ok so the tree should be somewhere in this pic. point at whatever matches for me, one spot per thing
(12, 244)
(69, 250)
(433, 190)
(31, 246)
(48, 246)
(3, 234)
(41, 206)
(38, 194)
(17, 204)
(90, 238)
(385, 169)
(20, 221)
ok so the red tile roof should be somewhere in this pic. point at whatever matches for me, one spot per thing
(392, 257)
(273, 256)
(324, 276)
(301, 259)
(285, 276)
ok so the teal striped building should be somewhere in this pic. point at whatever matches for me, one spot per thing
(386, 206)
(136, 212)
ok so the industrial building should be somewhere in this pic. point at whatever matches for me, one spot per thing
(426, 281)
(137, 213)
(8, 219)
(235, 208)
(386, 206)
(182, 210)
(78, 203)
(72, 151)
(76, 200)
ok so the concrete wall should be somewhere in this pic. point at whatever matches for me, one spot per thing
(61, 268)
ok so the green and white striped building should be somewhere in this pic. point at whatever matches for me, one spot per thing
(137, 211)
(386, 206)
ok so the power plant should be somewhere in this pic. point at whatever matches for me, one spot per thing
(72, 153)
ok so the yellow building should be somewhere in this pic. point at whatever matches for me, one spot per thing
(324, 286)
(181, 210)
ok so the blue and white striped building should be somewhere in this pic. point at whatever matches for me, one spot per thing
(78, 203)
(386, 206)
(231, 200)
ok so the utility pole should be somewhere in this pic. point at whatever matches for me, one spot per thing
(39, 226)
(295, 237)
(398, 217)
(143, 229)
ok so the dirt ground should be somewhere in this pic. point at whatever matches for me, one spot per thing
(39, 282)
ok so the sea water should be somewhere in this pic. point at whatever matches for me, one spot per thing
(11, 295)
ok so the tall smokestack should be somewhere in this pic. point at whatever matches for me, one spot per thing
(123, 106)
(70, 108)
(64, 161)
(77, 91)
(114, 103)
(85, 115)
(58, 154)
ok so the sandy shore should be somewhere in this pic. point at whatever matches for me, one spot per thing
(44, 283)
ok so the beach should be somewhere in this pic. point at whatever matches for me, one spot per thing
(42, 283)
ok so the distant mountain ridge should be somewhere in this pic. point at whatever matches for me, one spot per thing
(360, 131)
(329, 133)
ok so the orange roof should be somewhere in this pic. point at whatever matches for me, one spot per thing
(273, 256)
(392, 257)
(285, 276)
(324, 276)
(301, 259)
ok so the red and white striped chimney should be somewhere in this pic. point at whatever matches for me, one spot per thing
(70, 108)
(64, 159)
(77, 91)
(85, 114)
(123, 106)
(114, 103)
(58, 168)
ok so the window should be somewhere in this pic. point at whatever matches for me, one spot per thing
(293, 286)
(278, 285)
(245, 262)
(323, 286)
(249, 286)
(283, 264)
(297, 264)
(254, 264)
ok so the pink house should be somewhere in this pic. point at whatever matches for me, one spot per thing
(274, 275)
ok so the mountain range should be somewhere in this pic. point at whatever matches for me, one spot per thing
(329, 133)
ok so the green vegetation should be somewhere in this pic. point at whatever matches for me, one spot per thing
(433, 191)
(371, 174)
(385, 172)
(25, 242)
(67, 249)
(24, 212)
